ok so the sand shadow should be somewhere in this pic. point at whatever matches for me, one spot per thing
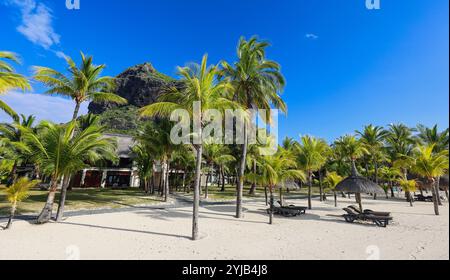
(125, 230)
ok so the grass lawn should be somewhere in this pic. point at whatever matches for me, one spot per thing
(81, 199)
(214, 193)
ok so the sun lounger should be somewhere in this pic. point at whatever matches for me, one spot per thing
(352, 216)
(288, 211)
(423, 198)
(367, 211)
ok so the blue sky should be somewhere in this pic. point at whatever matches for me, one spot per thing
(345, 65)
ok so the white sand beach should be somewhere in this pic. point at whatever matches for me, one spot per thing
(416, 233)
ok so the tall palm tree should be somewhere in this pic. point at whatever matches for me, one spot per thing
(312, 154)
(373, 138)
(351, 149)
(257, 84)
(156, 138)
(332, 180)
(431, 166)
(400, 145)
(275, 172)
(18, 192)
(60, 152)
(10, 80)
(82, 84)
(200, 85)
(440, 140)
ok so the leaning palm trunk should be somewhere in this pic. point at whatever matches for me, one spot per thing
(240, 187)
(62, 200)
(196, 202)
(46, 213)
(11, 217)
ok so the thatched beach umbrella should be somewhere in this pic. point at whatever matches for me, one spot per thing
(357, 184)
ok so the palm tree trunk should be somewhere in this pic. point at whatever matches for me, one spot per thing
(392, 189)
(281, 197)
(11, 217)
(320, 185)
(184, 180)
(435, 201)
(310, 191)
(376, 178)
(75, 112)
(196, 202)
(240, 188)
(335, 199)
(223, 180)
(46, 213)
(62, 200)
(411, 199)
(271, 206)
(253, 188)
(166, 183)
(266, 195)
(13, 175)
(438, 190)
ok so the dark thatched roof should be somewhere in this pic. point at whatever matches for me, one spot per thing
(358, 184)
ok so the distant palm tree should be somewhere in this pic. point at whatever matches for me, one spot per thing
(400, 145)
(18, 192)
(312, 154)
(10, 80)
(216, 155)
(83, 83)
(275, 172)
(332, 180)
(12, 139)
(58, 155)
(391, 175)
(144, 161)
(257, 84)
(200, 85)
(373, 139)
(351, 149)
(156, 139)
(431, 166)
(409, 186)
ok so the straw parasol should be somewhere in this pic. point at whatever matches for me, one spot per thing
(357, 184)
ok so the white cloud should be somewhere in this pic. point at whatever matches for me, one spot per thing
(36, 23)
(61, 54)
(311, 36)
(44, 107)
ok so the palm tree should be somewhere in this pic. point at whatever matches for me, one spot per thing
(184, 158)
(400, 145)
(10, 80)
(144, 161)
(18, 192)
(351, 149)
(391, 175)
(431, 165)
(156, 138)
(440, 140)
(312, 154)
(257, 84)
(12, 139)
(275, 172)
(373, 138)
(332, 180)
(409, 186)
(83, 84)
(200, 85)
(59, 151)
(216, 155)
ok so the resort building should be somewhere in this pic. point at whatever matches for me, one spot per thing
(124, 174)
